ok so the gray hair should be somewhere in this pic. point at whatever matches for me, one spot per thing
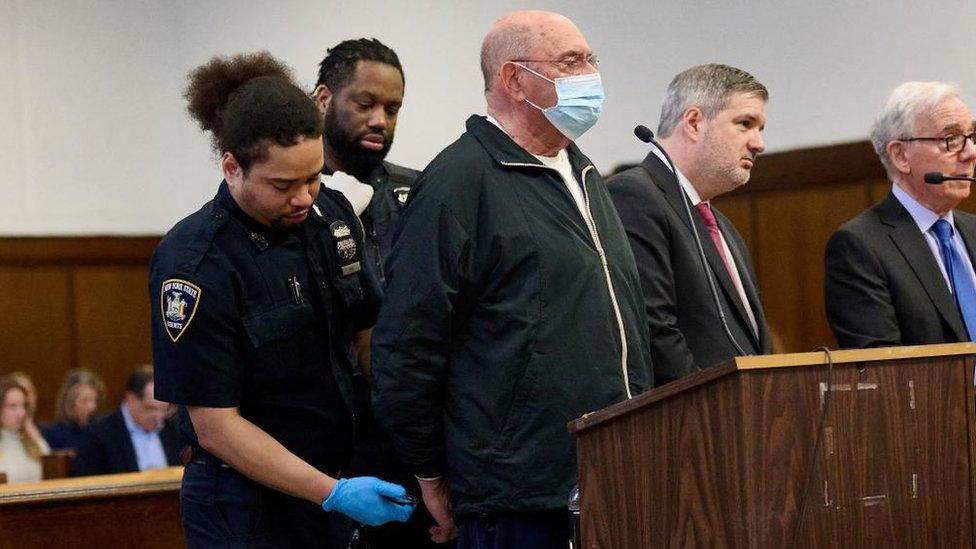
(501, 45)
(901, 111)
(708, 87)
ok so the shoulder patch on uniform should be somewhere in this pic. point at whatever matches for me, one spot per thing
(178, 300)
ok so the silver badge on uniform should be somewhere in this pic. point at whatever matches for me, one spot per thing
(401, 194)
(345, 248)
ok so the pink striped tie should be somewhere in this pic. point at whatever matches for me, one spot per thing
(705, 211)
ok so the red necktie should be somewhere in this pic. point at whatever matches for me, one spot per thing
(705, 211)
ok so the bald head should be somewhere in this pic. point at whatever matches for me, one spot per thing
(522, 35)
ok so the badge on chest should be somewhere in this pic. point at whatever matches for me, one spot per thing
(401, 194)
(346, 249)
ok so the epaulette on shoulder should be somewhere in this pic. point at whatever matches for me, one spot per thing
(328, 194)
(202, 237)
(334, 204)
(401, 175)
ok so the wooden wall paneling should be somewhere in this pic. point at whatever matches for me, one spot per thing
(792, 228)
(42, 331)
(738, 208)
(35, 327)
(111, 305)
(80, 250)
(831, 165)
(879, 190)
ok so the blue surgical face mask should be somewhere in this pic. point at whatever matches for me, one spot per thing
(579, 103)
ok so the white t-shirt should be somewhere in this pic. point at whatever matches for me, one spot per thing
(14, 460)
(561, 164)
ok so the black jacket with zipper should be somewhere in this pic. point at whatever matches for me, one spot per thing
(506, 316)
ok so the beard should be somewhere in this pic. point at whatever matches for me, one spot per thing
(717, 167)
(356, 160)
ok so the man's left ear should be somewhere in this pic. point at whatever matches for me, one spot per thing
(508, 78)
(322, 95)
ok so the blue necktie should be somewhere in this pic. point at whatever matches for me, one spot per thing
(960, 281)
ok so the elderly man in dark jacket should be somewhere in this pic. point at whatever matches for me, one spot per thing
(513, 303)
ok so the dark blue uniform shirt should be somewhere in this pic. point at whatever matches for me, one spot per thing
(261, 319)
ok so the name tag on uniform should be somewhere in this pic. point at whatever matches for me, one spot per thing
(346, 249)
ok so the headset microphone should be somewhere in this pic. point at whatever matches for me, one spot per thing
(932, 178)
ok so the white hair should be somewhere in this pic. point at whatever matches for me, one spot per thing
(901, 111)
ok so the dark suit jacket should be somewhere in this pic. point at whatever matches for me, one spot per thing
(685, 330)
(884, 287)
(106, 447)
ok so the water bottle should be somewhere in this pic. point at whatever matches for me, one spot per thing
(574, 518)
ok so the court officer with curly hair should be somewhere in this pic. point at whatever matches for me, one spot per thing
(256, 298)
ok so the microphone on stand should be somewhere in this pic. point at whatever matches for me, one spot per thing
(936, 178)
(647, 136)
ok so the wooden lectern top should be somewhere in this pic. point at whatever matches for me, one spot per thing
(763, 362)
(819, 358)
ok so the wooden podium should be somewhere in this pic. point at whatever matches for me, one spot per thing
(723, 457)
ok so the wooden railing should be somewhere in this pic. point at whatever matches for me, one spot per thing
(124, 510)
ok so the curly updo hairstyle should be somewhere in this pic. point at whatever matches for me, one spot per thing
(249, 102)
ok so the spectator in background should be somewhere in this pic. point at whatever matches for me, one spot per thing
(20, 451)
(136, 437)
(27, 383)
(79, 399)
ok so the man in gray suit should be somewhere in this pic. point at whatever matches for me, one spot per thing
(711, 124)
(901, 273)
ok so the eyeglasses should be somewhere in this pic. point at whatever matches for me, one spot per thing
(571, 63)
(953, 143)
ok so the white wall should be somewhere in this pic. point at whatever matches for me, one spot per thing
(94, 138)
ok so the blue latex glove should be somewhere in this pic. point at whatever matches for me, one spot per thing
(370, 500)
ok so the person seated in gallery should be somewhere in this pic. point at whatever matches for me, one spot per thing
(20, 450)
(79, 400)
(135, 437)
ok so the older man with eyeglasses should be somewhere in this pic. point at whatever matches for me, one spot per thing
(513, 302)
(901, 273)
